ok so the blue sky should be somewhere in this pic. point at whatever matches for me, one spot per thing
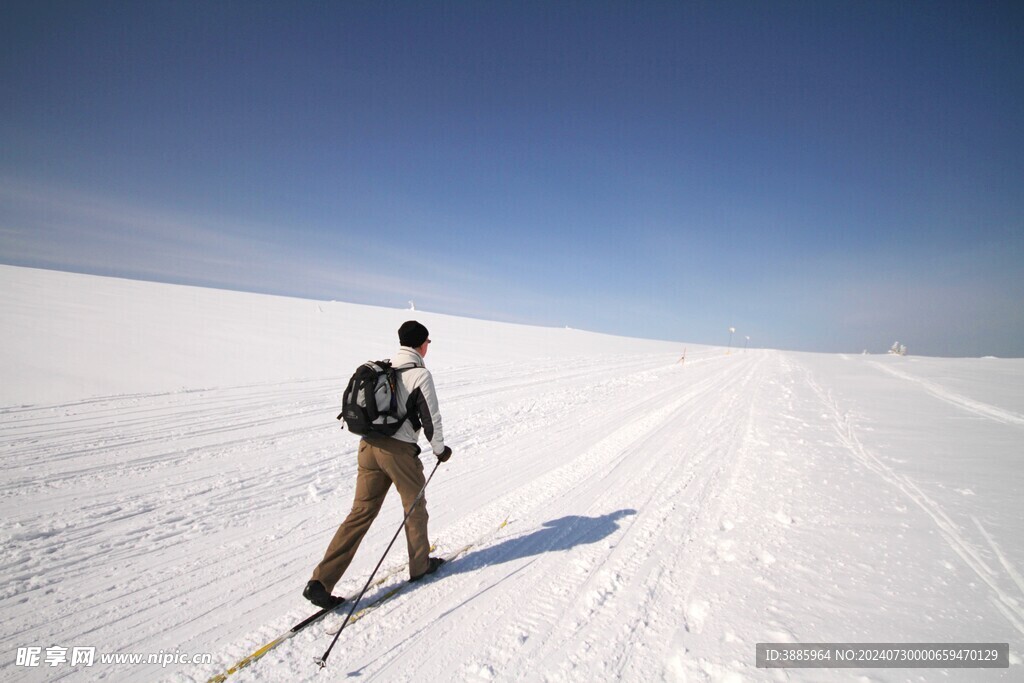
(826, 176)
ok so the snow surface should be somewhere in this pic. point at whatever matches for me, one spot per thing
(173, 472)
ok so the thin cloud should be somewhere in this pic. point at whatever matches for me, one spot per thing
(70, 229)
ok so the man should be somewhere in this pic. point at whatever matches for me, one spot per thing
(394, 460)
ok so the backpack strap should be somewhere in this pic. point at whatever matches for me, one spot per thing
(394, 392)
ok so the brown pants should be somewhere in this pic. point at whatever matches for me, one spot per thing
(381, 463)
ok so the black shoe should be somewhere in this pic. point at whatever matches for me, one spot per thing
(435, 564)
(318, 595)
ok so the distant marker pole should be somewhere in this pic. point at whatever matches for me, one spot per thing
(745, 344)
(731, 331)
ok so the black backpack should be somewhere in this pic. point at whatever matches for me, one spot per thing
(376, 380)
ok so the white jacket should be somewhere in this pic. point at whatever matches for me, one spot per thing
(416, 392)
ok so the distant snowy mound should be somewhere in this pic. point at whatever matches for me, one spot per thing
(66, 336)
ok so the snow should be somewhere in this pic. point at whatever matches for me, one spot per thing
(173, 471)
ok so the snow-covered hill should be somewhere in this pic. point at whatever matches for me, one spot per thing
(172, 471)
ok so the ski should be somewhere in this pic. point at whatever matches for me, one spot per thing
(305, 623)
(384, 597)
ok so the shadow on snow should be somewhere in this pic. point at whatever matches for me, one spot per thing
(563, 533)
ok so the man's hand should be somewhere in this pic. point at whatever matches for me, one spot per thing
(445, 454)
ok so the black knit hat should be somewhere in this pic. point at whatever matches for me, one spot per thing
(412, 334)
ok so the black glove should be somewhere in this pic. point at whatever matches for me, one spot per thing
(445, 454)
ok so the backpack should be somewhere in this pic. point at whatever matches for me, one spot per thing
(376, 380)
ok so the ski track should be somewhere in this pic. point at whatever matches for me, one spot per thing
(1002, 597)
(620, 512)
(943, 394)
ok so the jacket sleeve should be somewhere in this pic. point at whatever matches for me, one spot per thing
(429, 413)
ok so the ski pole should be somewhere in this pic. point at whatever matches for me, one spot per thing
(322, 661)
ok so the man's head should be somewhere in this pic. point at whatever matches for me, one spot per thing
(414, 335)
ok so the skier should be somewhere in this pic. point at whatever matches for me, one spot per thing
(383, 461)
